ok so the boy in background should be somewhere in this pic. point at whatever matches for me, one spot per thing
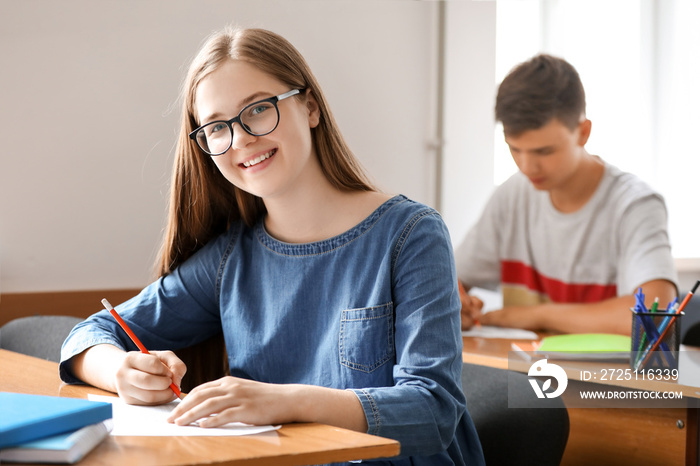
(570, 238)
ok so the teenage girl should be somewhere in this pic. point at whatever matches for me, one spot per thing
(331, 295)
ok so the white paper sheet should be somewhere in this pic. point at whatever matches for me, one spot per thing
(151, 421)
(488, 331)
(493, 300)
(689, 366)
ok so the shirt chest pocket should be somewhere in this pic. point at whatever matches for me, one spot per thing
(367, 337)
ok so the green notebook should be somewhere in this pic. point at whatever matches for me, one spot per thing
(586, 346)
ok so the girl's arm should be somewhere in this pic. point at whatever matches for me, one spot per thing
(233, 399)
(176, 311)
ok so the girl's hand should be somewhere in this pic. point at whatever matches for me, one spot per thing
(144, 379)
(232, 399)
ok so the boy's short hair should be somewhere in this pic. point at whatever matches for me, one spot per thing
(538, 90)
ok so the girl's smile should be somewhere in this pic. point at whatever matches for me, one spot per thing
(259, 159)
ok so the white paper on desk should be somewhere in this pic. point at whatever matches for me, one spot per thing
(492, 299)
(688, 365)
(151, 421)
(488, 331)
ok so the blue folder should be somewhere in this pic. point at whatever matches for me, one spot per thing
(29, 417)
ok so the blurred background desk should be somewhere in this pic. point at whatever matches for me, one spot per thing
(293, 444)
(616, 436)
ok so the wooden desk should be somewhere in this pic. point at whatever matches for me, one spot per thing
(615, 436)
(293, 444)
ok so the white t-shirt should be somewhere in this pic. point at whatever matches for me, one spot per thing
(608, 248)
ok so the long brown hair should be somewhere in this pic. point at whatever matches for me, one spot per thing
(202, 202)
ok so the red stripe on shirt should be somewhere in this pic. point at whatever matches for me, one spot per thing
(519, 274)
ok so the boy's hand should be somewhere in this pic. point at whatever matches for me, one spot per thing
(524, 317)
(471, 308)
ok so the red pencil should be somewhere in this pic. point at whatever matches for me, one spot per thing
(135, 339)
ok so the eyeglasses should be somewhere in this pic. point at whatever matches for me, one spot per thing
(257, 119)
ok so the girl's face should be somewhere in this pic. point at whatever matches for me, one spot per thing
(266, 166)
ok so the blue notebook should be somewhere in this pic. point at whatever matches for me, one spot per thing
(66, 448)
(24, 418)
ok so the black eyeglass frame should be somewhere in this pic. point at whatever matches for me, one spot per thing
(237, 119)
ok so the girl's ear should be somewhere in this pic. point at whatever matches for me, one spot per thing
(313, 109)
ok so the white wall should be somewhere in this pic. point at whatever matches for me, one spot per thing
(470, 90)
(89, 97)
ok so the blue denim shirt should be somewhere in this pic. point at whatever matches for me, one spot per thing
(374, 310)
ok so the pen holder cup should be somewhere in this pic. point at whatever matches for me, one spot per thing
(647, 329)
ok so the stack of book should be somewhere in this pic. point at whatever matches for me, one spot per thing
(50, 429)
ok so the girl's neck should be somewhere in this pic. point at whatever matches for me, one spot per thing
(318, 211)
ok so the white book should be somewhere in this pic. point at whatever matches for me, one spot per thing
(66, 448)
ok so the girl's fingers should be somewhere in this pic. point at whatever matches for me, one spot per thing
(202, 405)
(177, 368)
(144, 379)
